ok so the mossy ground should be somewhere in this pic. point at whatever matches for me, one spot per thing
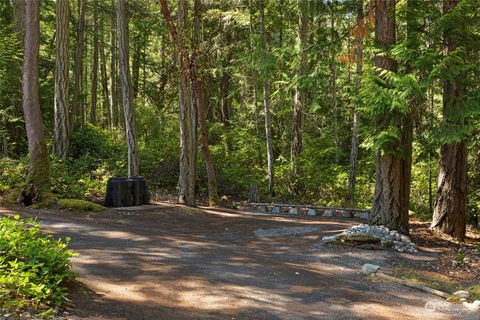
(79, 205)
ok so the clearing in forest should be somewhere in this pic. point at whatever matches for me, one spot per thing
(183, 263)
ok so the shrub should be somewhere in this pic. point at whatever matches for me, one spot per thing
(34, 267)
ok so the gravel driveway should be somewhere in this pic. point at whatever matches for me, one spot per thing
(183, 263)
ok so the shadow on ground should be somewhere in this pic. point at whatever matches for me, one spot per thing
(182, 263)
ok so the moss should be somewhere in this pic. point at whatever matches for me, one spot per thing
(453, 299)
(79, 205)
(45, 200)
(474, 292)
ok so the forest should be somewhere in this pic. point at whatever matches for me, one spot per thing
(305, 100)
(370, 104)
(363, 105)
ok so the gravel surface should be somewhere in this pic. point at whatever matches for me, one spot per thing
(183, 263)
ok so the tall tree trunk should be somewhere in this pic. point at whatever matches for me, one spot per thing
(93, 100)
(188, 132)
(39, 171)
(333, 66)
(266, 103)
(78, 77)
(255, 86)
(200, 104)
(61, 110)
(300, 95)
(128, 107)
(19, 19)
(352, 174)
(103, 71)
(113, 71)
(393, 172)
(137, 44)
(450, 206)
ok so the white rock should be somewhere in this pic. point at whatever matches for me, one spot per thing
(327, 213)
(369, 269)
(474, 306)
(327, 239)
(462, 294)
(312, 212)
(294, 210)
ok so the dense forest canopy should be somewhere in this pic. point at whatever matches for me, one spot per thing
(355, 103)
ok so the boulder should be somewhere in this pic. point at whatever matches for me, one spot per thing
(369, 269)
(312, 212)
(462, 294)
(294, 210)
(276, 210)
(327, 213)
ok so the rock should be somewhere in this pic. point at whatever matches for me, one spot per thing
(262, 208)
(405, 239)
(462, 294)
(276, 210)
(347, 214)
(369, 269)
(474, 306)
(312, 212)
(294, 210)
(365, 216)
(328, 213)
(328, 239)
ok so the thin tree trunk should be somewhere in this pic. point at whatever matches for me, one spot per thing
(93, 100)
(393, 172)
(114, 70)
(334, 83)
(128, 107)
(136, 65)
(255, 86)
(352, 175)
(300, 94)
(39, 171)
(61, 110)
(450, 206)
(103, 71)
(78, 76)
(266, 104)
(200, 102)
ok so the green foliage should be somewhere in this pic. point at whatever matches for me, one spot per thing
(34, 267)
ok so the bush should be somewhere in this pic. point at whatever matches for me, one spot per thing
(34, 267)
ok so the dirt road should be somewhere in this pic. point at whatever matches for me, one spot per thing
(182, 263)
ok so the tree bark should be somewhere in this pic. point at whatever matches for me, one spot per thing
(61, 110)
(266, 104)
(78, 77)
(200, 104)
(103, 73)
(450, 205)
(300, 95)
(128, 107)
(114, 71)
(93, 100)
(352, 174)
(188, 132)
(333, 65)
(19, 20)
(39, 170)
(393, 171)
